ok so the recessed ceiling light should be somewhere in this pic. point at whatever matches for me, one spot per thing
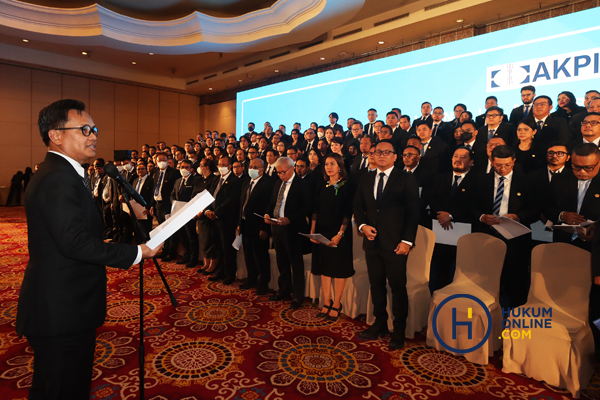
(276, 70)
(151, 54)
(459, 20)
(239, 80)
(133, 62)
(209, 88)
(322, 58)
(381, 42)
(26, 41)
(84, 53)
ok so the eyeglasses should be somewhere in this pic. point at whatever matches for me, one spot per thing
(540, 104)
(85, 130)
(556, 153)
(493, 115)
(384, 152)
(281, 173)
(590, 123)
(408, 155)
(587, 168)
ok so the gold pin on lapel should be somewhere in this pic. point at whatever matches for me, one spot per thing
(463, 190)
(518, 193)
(597, 195)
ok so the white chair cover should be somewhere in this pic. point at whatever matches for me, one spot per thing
(417, 285)
(479, 262)
(562, 356)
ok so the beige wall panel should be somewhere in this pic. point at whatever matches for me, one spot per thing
(15, 89)
(15, 134)
(148, 101)
(169, 126)
(148, 123)
(45, 93)
(125, 140)
(126, 98)
(50, 78)
(15, 111)
(13, 72)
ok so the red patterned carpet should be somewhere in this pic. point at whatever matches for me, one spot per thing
(223, 343)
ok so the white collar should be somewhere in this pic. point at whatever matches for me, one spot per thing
(78, 168)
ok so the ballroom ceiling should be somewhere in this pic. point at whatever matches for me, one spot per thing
(207, 46)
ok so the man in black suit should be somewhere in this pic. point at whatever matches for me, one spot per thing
(482, 165)
(369, 128)
(440, 128)
(182, 191)
(360, 165)
(164, 181)
(386, 209)
(63, 295)
(458, 109)
(224, 211)
(411, 158)
(289, 206)
(256, 194)
(591, 102)
(309, 141)
(435, 154)
(449, 203)
(550, 128)
(144, 185)
(520, 113)
(590, 130)
(557, 157)
(271, 156)
(333, 119)
(425, 117)
(496, 127)
(509, 193)
(490, 101)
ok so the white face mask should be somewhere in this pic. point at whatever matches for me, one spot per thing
(120, 168)
(223, 170)
(199, 170)
(128, 167)
(320, 134)
(184, 172)
(253, 173)
(162, 164)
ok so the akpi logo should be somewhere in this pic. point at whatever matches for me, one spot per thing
(575, 66)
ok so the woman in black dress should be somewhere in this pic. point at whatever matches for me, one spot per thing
(331, 218)
(207, 234)
(528, 152)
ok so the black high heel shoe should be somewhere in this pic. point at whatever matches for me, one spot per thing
(324, 314)
(339, 311)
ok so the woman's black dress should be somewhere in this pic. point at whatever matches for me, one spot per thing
(531, 159)
(330, 211)
(206, 229)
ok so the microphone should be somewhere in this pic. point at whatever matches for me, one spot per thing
(114, 173)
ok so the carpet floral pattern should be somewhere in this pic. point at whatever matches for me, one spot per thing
(224, 343)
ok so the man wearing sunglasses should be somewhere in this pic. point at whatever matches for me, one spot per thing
(63, 294)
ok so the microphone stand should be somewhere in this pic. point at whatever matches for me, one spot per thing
(142, 237)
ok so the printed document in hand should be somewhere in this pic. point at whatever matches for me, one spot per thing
(263, 217)
(510, 229)
(179, 219)
(137, 208)
(583, 228)
(318, 237)
(237, 242)
(450, 236)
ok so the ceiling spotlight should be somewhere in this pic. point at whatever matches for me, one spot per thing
(459, 20)
(322, 58)
(381, 42)
(133, 62)
(151, 54)
(26, 41)
(239, 80)
(209, 88)
(84, 53)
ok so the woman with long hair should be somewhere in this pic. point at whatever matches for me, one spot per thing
(528, 153)
(567, 106)
(332, 218)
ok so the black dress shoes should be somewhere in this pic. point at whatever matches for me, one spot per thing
(228, 281)
(248, 285)
(262, 292)
(296, 304)
(397, 341)
(373, 332)
(216, 278)
(191, 264)
(278, 297)
(206, 272)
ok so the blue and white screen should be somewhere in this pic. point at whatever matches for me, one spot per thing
(553, 55)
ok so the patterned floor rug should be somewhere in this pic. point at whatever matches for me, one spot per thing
(224, 343)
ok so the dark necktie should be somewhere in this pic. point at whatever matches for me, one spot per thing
(277, 210)
(435, 127)
(499, 194)
(380, 187)
(364, 163)
(455, 184)
(218, 187)
(247, 197)
(491, 133)
(160, 179)
(540, 125)
(139, 184)
(87, 183)
(525, 111)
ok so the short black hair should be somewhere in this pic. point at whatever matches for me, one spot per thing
(410, 146)
(586, 149)
(470, 151)
(503, 151)
(405, 116)
(528, 87)
(464, 107)
(543, 96)
(421, 122)
(495, 108)
(392, 113)
(558, 143)
(372, 109)
(491, 98)
(100, 162)
(56, 116)
(334, 115)
(390, 142)
(369, 138)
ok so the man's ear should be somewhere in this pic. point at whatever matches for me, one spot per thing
(55, 136)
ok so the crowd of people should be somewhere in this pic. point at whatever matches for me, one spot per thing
(389, 175)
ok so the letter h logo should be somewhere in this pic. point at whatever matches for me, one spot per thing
(456, 323)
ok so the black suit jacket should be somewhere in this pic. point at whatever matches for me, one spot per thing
(146, 191)
(297, 204)
(257, 203)
(171, 176)
(480, 119)
(395, 216)
(554, 129)
(64, 287)
(458, 204)
(367, 128)
(227, 201)
(563, 197)
(306, 146)
(541, 183)
(183, 192)
(425, 180)
(437, 156)
(521, 200)
(517, 114)
(505, 131)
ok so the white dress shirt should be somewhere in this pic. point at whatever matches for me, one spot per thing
(507, 182)
(287, 184)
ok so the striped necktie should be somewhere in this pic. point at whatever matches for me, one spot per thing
(499, 195)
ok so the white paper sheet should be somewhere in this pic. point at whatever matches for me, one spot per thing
(263, 217)
(583, 227)
(539, 232)
(177, 205)
(179, 219)
(451, 236)
(318, 237)
(137, 208)
(237, 242)
(510, 229)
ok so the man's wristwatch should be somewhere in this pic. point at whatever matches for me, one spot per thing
(341, 233)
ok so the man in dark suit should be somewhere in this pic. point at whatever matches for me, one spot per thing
(449, 203)
(182, 191)
(425, 117)
(271, 156)
(164, 181)
(411, 158)
(496, 127)
(440, 128)
(333, 119)
(63, 295)
(309, 141)
(386, 209)
(550, 128)
(474, 143)
(490, 101)
(458, 109)
(225, 213)
(360, 165)
(435, 154)
(590, 130)
(256, 194)
(144, 185)
(509, 193)
(369, 128)
(591, 102)
(557, 157)
(520, 113)
(290, 206)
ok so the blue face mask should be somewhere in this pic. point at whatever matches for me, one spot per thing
(253, 173)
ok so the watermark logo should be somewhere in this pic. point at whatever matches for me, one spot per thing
(518, 322)
(462, 324)
(561, 68)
